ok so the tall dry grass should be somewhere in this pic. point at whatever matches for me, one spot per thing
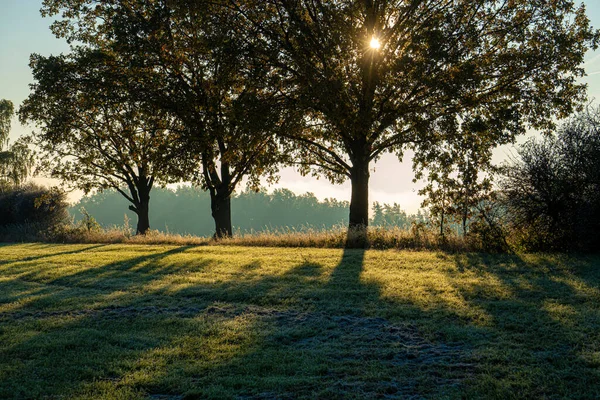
(418, 237)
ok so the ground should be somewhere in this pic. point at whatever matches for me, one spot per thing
(175, 322)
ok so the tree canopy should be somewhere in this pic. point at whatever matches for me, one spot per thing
(93, 134)
(199, 69)
(348, 80)
(511, 65)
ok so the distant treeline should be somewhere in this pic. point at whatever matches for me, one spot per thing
(186, 210)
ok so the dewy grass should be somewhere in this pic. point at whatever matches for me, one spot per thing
(172, 322)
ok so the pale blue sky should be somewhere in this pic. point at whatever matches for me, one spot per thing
(23, 31)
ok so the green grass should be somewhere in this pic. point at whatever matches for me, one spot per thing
(175, 322)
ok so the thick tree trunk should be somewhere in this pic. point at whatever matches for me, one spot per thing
(220, 204)
(140, 197)
(359, 202)
(143, 219)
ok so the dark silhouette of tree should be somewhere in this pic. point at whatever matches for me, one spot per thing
(552, 188)
(377, 76)
(92, 134)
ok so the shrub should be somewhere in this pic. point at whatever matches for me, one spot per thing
(28, 210)
(552, 189)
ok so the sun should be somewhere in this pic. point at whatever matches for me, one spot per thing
(375, 44)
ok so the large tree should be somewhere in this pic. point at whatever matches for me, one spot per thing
(199, 69)
(92, 134)
(377, 76)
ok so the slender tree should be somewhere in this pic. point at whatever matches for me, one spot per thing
(458, 173)
(16, 159)
(377, 76)
(92, 134)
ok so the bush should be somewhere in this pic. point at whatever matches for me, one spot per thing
(552, 190)
(27, 211)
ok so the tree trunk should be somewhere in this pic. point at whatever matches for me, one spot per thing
(220, 204)
(143, 219)
(359, 202)
(442, 222)
(140, 197)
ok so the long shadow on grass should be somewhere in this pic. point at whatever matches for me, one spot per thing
(72, 330)
(301, 334)
(541, 341)
(311, 337)
(92, 286)
(42, 256)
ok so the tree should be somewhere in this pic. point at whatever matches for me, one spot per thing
(393, 215)
(92, 134)
(459, 173)
(377, 76)
(16, 160)
(198, 69)
(552, 188)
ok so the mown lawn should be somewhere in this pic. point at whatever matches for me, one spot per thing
(168, 322)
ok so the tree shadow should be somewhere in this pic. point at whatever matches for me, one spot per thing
(318, 329)
(93, 286)
(535, 340)
(45, 255)
(325, 325)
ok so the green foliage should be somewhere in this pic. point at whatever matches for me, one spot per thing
(226, 71)
(88, 222)
(458, 175)
(502, 66)
(392, 215)
(92, 133)
(6, 113)
(202, 75)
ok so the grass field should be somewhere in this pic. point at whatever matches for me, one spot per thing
(175, 322)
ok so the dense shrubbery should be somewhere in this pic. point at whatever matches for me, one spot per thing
(28, 210)
(552, 191)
